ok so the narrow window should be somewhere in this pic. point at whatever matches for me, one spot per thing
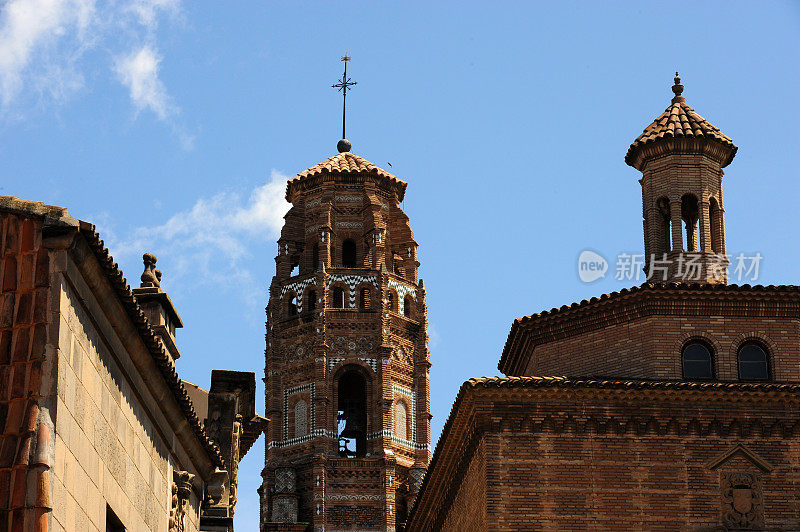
(408, 306)
(665, 226)
(697, 361)
(365, 299)
(352, 415)
(311, 303)
(753, 362)
(295, 270)
(689, 212)
(349, 254)
(338, 297)
(291, 305)
(113, 523)
(300, 419)
(715, 226)
(391, 301)
(401, 421)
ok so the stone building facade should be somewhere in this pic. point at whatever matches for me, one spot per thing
(98, 431)
(347, 357)
(676, 402)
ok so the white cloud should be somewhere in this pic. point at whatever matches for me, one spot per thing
(31, 27)
(210, 242)
(44, 43)
(139, 72)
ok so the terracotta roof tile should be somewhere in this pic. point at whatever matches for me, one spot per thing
(675, 288)
(345, 162)
(678, 121)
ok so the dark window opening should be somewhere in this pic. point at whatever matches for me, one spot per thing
(665, 225)
(352, 415)
(391, 301)
(753, 362)
(365, 299)
(315, 256)
(697, 361)
(715, 224)
(689, 213)
(408, 306)
(291, 306)
(349, 254)
(311, 302)
(113, 523)
(337, 296)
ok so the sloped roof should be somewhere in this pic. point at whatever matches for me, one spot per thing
(344, 167)
(679, 121)
(681, 291)
(343, 163)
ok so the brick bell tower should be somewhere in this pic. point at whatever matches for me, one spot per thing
(681, 157)
(347, 362)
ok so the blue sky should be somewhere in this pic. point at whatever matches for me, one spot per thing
(174, 125)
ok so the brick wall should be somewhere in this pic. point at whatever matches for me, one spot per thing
(651, 347)
(25, 424)
(565, 454)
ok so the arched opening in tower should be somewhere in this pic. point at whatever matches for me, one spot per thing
(665, 227)
(689, 213)
(352, 415)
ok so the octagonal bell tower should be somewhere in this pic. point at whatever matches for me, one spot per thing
(347, 360)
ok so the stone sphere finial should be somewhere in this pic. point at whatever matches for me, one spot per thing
(677, 88)
(149, 277)
(343, 145)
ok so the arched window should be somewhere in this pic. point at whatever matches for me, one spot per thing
(315, 256)
(365, 299)
(291, 305)
(697, 361)
(408, 306)
(352, 414)
(300, 419)
(715, 224)
(349, 253)
(337, 297)
(689, 213)
(400, 421)
(665, 225)
(311, 300)
(753, 362)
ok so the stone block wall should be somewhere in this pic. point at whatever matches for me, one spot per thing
(107, 450)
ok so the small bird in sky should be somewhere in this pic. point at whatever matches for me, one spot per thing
(387, 162)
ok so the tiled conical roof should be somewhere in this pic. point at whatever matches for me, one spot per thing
(345, 163)
(679, 121)
(345, 167)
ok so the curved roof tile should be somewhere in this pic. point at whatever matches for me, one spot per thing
(678, 121)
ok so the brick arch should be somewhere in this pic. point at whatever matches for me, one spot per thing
(757, 336)
(698, 335)
(355, 363)
(343, 286)
(716, 349)
(373, 294)
(306, 301)
(285, 303)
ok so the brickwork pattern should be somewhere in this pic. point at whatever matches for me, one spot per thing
(384, 341)
(25, 441)
(564, 454)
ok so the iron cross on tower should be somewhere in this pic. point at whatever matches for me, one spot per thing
(343, 85)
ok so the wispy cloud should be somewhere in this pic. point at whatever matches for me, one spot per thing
(139, 72)
(210, 243)
(44, 44)
(34, 28)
